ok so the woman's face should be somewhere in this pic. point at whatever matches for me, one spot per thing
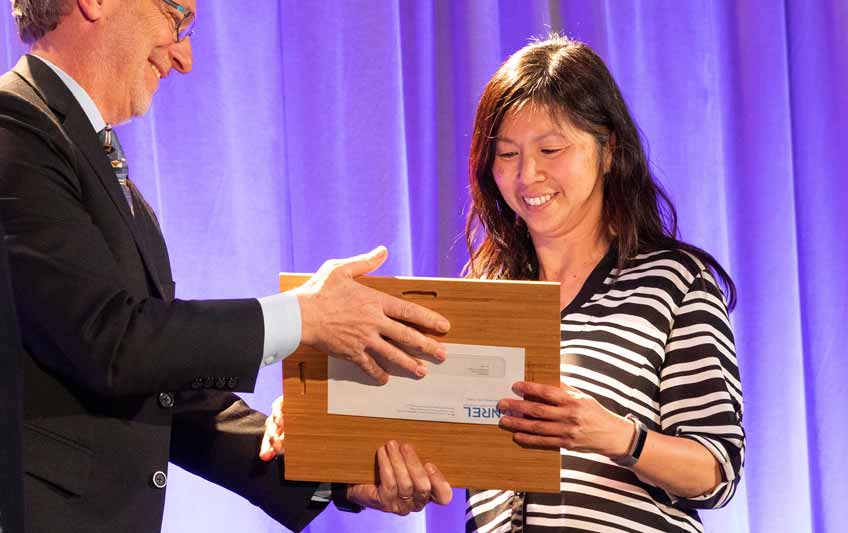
(548, 172)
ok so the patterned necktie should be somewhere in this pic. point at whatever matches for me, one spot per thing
(119, 163)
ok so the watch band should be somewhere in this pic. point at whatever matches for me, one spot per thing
(339, 492)
(636, 445)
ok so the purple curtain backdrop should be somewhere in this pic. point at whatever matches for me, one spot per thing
(311, 130)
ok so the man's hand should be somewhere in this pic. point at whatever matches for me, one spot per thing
(404, 484)
(275, 432)
(350, 321)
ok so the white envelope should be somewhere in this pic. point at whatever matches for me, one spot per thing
(465, 388)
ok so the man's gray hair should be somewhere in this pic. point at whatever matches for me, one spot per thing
(35, 18)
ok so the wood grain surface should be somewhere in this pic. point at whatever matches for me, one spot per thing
(325, 447)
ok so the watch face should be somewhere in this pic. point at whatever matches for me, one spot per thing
(636, 444)
(641, 437)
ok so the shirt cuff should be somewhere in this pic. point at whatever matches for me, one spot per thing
(281, 315)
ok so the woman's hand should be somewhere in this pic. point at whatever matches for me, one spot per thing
(564, 417)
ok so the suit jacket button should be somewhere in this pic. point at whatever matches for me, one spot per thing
(232, 383)
(159, 479)
(166, 400)
(197, 383)
(220, 383)
(208, 382)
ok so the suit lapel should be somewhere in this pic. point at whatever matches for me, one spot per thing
(78, 128)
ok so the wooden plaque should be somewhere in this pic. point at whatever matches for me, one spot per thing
(340, 448)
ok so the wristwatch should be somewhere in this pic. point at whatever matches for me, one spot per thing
(339, 492)
(636, 445)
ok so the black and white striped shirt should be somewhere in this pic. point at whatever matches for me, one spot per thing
(654, 340)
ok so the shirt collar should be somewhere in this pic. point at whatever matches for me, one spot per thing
(84, 100)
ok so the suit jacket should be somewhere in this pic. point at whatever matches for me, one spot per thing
(119, 376)
(11, 497)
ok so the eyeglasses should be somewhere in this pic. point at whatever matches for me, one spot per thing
(185, 27)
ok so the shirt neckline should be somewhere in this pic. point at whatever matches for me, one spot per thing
(594, 282)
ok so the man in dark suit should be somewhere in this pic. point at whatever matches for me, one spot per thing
(119, 376)
(11, 497)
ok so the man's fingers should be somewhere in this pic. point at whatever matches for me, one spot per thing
(266, 450)
(420, 479)
(277, 416)
(365, 263)
(414, 314)
(387, 487)
(273, 442)
(366, 495)
(404, 485)
(277, 407)
(411, 338)
(405, 488)
(370, 367)
(387, 352)
(440, 491)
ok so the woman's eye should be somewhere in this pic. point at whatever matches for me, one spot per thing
(550, 151)
(507, 155)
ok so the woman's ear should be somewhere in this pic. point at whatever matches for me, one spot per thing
(92, 10)
(609, 150)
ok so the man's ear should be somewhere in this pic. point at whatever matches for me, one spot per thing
(92, 10)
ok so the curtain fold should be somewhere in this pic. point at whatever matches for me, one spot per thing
(312, 130)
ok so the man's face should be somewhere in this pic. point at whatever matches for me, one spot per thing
(142, 50)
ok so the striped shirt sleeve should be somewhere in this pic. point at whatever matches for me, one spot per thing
(700, 390)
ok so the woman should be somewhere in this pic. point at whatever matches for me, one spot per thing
(648, 415)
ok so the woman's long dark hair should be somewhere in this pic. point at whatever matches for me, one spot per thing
(568, 79)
